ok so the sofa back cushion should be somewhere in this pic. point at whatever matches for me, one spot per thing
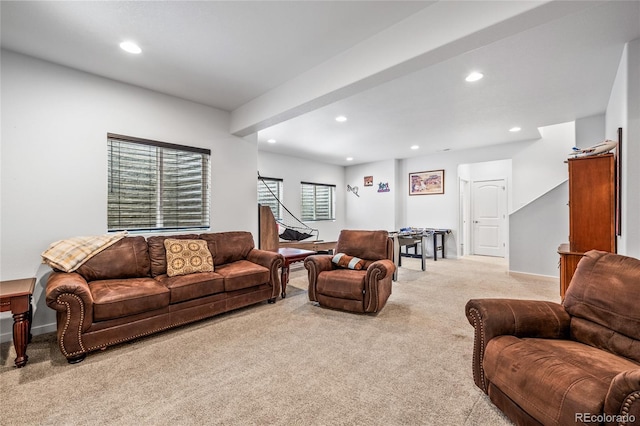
(128, 258)
(227, 247)
(158, 254)
(367, 245)
(602, 300)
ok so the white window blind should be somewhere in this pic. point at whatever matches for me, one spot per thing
(318, 201)
(268, 190)
(156, 186)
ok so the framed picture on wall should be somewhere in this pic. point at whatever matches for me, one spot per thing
(426, 183)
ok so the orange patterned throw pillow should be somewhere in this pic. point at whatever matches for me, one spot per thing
(187, 256)
(346, 261)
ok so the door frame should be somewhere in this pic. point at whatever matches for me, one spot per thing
(464, 247)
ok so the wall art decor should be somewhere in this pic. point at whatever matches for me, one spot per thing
(383, 187)
(368, 181)
(426, 183)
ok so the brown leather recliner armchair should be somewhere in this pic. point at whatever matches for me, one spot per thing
(364, 290)
(576, 363)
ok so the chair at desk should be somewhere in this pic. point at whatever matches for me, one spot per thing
(366, 289)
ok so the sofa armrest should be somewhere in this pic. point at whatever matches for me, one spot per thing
(521, 318)
(315, 264)
(69, 295)
(270, 260)
(623, 399)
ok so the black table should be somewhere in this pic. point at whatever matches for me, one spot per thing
(412, 238)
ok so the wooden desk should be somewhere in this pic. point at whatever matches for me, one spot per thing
(15, 296)
(568, 263)
(291, 255)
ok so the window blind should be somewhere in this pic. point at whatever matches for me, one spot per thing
(156, 186)
(318, 201)
(267, 188)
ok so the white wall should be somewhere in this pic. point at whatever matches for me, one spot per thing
(537, 230)
(54, 160)
(372, 209)
(590, 130)
(540, 167)
(292, 171)
(442, 211)
(623, 110)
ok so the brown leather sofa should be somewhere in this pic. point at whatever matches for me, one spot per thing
(363, 291)
(576, 363)
(124, 292)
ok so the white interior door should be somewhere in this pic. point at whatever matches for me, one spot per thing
(489, 215)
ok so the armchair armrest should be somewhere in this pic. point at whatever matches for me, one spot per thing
(270, 260)
(623, 398)
(377, 284)
(380, 269)
(69, 295)
(315, 264)
(521, 318)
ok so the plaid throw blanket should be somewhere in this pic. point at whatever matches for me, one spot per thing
(68, 255)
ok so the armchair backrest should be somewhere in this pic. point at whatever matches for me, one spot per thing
(367, 245)
(602, 300)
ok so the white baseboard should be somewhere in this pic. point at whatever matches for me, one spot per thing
(35, 331)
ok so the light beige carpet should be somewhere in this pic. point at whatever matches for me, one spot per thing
(288, 363)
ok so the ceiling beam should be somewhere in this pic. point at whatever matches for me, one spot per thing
(436, 33)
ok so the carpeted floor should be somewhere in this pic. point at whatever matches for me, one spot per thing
(288, 363)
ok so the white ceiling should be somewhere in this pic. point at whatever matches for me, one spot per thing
(228, 53)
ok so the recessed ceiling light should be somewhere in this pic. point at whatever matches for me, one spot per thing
(271, 141)
(349, 158)
(515, 129)
(474, 76)
(131, 47)
(415, 147)
(341, 119)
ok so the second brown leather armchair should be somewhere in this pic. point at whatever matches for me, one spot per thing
(365, 290)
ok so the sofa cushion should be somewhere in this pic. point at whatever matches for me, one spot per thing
(604, 293)
(128, 258)
(158, 254)
(187, 257)
(227, 247)
(342, 283)
(552, 379)
(243, 274)
(123, 297)
(192, 286)
(345, 261)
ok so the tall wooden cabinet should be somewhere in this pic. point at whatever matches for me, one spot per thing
(592, 212)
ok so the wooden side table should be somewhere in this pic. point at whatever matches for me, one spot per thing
(15, 296)
(291, 255)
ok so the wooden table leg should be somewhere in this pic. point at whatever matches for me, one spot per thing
(15, 296)
(21, 326)
(284, 279)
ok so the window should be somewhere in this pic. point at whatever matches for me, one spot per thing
(156, 186)
(269, 192)
(318, 201)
